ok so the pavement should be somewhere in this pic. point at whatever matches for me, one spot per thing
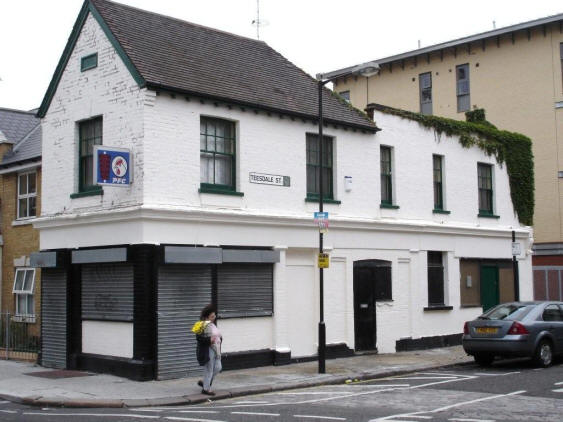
(28, 383)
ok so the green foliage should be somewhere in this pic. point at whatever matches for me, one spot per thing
(511, 148)
(478, 116)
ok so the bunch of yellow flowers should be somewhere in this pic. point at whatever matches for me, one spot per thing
(199, 327)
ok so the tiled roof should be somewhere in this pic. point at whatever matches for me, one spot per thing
(173, 54)
(22, 129)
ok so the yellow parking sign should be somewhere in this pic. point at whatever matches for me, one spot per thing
(323, 260)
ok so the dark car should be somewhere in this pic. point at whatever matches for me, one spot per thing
(516, 329)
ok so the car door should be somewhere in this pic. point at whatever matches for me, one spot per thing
(553, 320)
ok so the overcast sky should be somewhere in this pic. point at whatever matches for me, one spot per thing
(318, 36)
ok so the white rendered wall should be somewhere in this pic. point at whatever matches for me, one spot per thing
(108, 91)
(108, 338)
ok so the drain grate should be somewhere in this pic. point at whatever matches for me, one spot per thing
(62, 373)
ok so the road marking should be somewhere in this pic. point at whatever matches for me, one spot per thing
(330, 418)
(251, 402)
(428, 378)
(558, 383)
(8, 411)
(175, 418)
(420, 417)
(471, 420)
(493, 374)
(197, 411)
(451, 406)
(558, 390)
(4, 401)
(305, 393)
(357, 384)
(255, 413)
(114, 415)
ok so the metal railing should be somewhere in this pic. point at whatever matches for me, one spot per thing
(19, 336)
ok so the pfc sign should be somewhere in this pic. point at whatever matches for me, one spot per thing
(112, 166)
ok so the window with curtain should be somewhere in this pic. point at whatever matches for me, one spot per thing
(462, 88)
(90, 134)
(314, 167)
(217, 154)
(425, 88)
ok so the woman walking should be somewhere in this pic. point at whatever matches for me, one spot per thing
(213, 366)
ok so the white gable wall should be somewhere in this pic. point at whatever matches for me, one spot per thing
(107, 90)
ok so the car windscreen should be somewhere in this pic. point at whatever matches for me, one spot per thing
(511, 312)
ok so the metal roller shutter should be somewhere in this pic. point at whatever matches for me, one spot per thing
(244, 290)
(183, 290)
(53, 318)
(107, 292)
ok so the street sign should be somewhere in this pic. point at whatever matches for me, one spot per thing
(321, 218)
(516, 250)
(323, 260)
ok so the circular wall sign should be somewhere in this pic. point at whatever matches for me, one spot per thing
(119, 166)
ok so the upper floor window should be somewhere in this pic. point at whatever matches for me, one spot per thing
(561, 56)
(425, 88)
(217, 154)
(89, 62)
(437, 161)
(485, 183)
(386, 175)
(314, 167)
(90, 133)
(462, 87)
(24, 281)
(27, 194)
(345, 95)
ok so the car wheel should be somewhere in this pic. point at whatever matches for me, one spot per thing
(544, 354)
(483, 359)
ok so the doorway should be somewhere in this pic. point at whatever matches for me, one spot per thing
(372, 282)
(489, 286)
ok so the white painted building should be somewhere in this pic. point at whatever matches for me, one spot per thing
(127, 269)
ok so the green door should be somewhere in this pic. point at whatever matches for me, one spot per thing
(489, 286)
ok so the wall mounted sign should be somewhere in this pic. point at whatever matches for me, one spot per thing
(113, 166)
(269, 179)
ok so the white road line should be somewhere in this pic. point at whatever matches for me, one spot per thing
(4, 401)
(470, 420)
(357, 384)
(8, 411)
(305, 393)
(451, 406)
(255, 413)
(175, 418)
(428, 378)
(93, 415)
(558, 383)
(197, 411)
(330, 418)
(251, 402)
(420, 417)
(558, 390)
(492, 374)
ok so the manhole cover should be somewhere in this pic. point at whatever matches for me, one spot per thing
(63, 373)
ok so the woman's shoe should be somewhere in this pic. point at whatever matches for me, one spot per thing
(200, 383)
(207, 393)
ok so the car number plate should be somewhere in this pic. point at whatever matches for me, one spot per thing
(486, 330)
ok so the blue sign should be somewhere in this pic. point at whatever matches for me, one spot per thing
(321, 216)
(112, 166)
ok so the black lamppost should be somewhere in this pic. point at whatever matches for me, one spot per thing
(367, 70)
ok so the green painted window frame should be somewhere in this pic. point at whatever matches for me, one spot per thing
(89, 62)
(485, 189)
(436, 279)
(438, 181)
(210, 140)
(314, 167)
(90, 133)
(386, 170)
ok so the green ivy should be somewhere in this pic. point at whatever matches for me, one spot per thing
(511, 148)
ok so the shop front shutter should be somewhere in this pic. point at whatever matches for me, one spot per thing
(53, 318)
(244, 290)
(107, 292)
(183, 290)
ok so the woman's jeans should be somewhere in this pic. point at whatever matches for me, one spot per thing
(211, 368)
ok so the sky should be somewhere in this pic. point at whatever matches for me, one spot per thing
(318, 36)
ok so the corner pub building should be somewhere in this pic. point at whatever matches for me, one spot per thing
(222, 132)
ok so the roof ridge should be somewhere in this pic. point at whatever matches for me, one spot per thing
(148, 12)
(13, 110)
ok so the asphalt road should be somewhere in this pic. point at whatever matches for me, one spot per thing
(508, 391)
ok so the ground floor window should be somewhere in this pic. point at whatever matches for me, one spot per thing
(435, 279)
(24, 281)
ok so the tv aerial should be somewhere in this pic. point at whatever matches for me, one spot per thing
(259, 22)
